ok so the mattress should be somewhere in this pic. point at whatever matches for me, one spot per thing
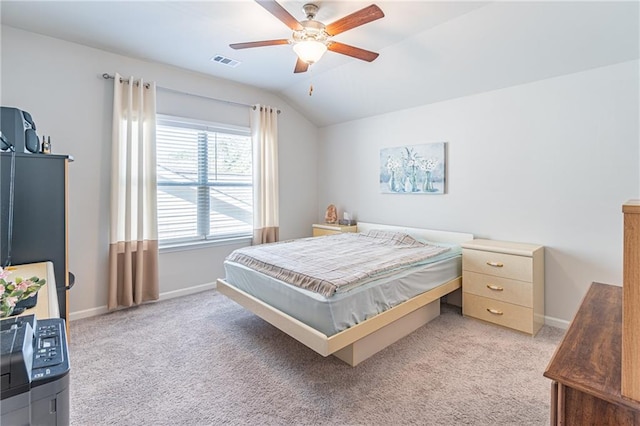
(340, 262)
(330, 315)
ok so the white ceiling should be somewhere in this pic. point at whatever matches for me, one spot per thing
(429, 51)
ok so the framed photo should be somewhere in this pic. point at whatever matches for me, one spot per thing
(413, 169)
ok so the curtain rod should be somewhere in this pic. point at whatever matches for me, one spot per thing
(106, 76)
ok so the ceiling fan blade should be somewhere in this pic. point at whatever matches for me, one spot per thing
(281, 13)
(352, 51)
(258, 44)
(301, 66)
(361, 17)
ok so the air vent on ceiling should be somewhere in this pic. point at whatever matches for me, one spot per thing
(225, 61)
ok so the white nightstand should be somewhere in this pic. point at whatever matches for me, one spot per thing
(503, 283)
(330, 228)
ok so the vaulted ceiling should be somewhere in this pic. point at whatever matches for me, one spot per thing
(429, 51)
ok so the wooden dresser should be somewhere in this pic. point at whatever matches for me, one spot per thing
(595, 369)
(586, 368)
(503, 283)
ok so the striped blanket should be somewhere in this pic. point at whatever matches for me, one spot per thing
(336, 263)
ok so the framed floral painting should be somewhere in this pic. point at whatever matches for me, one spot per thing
(413, 169)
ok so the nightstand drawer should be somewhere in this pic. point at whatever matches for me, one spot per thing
(318, 232)
(320, 229)
(503, 289)
(497, 312)
(498, 264)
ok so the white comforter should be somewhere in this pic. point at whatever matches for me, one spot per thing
(337, 263)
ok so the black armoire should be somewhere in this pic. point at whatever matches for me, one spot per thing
(40, 226)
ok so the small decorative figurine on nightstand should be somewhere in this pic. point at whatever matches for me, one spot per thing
(331, 216)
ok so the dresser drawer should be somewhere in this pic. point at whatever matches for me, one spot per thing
(498, 288)
(498, 264)
(497, 312)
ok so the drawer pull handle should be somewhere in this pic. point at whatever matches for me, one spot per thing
(495, 264)
(495, 311)
(494, 287)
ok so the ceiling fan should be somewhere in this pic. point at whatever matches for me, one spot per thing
(311, 38)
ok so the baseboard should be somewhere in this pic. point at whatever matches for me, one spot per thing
(556, 322)
(101, 310)
(187, 291)
(87, 313)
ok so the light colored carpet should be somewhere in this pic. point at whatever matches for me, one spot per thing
(204, 360)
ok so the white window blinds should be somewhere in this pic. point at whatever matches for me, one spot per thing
(204, 181)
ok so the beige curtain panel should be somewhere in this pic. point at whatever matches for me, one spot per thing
(264, 134)
(133, 234)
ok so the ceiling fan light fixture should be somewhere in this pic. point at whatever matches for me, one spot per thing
(310, 51)
(311, 38)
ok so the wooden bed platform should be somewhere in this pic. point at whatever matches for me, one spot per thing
(362, 340)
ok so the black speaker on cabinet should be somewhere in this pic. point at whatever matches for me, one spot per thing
(18, 130)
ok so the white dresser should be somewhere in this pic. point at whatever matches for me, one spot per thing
(503, 283)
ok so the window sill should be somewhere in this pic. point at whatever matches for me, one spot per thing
(197, 245)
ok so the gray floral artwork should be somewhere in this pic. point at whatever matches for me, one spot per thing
(413, 169)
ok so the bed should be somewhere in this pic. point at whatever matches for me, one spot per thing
(351, 322)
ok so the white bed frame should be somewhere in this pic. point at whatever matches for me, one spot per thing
(357, 343)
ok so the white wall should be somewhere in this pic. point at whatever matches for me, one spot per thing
(60, 84)
(550, 162)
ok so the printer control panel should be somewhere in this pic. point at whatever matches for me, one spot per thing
(50, 356)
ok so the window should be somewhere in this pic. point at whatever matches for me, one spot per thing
(204, 181)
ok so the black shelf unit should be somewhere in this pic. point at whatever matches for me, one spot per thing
(40, 225)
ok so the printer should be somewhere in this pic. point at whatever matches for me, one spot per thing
(35, 371)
